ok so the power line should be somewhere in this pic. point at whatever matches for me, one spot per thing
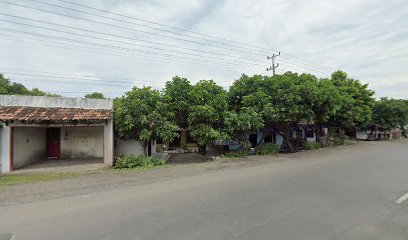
(120, 42)
(113, 25)
(141, 56)
(117, 47)
(114, 35)
(132, 23)
(185, 30)
(117, 26)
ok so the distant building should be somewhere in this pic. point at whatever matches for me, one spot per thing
(37, 128)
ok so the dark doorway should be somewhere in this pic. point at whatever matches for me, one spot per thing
(53, 142)
(176, 141)
(253, 139)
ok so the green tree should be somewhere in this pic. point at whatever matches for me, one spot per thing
(293, 98)
(390, 113)
(140, 114)
(356, 102)
(239, 125)
(209, 103)
(176, 96)
(243, 87)
(95, 95)
(12, 88)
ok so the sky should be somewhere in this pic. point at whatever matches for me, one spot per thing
(69, 49)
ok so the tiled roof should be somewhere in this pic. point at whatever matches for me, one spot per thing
(53, 114)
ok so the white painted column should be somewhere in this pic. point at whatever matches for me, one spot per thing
(5, 149)
(108, 143)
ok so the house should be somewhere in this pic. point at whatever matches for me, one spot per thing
(299, 135)
(183, 143)
(37, 128)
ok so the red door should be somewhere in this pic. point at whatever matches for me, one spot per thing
(53, 142)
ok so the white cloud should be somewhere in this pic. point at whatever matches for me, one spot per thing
(362, 37)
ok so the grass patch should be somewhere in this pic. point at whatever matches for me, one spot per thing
(236, 154)
(312, 145)
(132, 161)
(11, 179)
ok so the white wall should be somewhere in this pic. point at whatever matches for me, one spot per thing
(362, 134)
(5, 148)
(29, 145)
(53, 102)
(82, 142)
(131, 146)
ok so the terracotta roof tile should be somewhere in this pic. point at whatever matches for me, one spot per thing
(57, 114)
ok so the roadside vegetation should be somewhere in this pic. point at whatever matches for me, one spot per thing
(11, 179)
(132, 161)
(284, 102)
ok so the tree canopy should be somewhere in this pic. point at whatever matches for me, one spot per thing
(390, 113)
(140, 114)
(209, 103)
(95, 95)
(12, 88)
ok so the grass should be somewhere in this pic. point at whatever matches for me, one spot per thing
(11, 179)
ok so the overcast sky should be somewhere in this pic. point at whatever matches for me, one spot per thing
(109, 53)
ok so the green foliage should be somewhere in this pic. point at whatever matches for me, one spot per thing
(209, 103)
(140, 114)
(236, 154)
(335, 138)
(177, 97)
(239, 125)
(132, 161)
(390, 113)
(13, 88)
(95, 95)
(355, 100)
(312, 145)
(265, 148)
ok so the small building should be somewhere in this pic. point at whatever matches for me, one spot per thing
(37, 128)
(181, 144)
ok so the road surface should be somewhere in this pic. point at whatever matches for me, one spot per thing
(352, 193)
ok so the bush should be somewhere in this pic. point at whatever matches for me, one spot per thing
(236, 154)
(335, 139)
(264, 149)
(312, 145)
(132, 161)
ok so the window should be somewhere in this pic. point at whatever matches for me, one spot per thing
(269, 137)
(309, 133)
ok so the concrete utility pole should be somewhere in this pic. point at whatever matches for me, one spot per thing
(274, 66)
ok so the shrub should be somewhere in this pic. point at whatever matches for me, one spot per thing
(267, 149)
(335, 139)
(132, 161)
(236, 154)
(312, 145)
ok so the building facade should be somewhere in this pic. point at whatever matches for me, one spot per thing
(37, 128)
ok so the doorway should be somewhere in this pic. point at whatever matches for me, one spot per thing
(53, 142)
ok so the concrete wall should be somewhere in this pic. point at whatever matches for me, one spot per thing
(108, 144)
(54, 102)
(4, 148)
(29, 145)
(362, 134)
(131, 146)
(82, 142)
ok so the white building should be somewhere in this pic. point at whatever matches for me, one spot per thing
(37, 128)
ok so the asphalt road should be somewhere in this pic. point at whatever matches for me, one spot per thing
(354, 193)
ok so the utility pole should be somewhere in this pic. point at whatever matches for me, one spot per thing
(274, 65)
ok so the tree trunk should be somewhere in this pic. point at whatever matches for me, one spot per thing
(144, 145)
(286, 140)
